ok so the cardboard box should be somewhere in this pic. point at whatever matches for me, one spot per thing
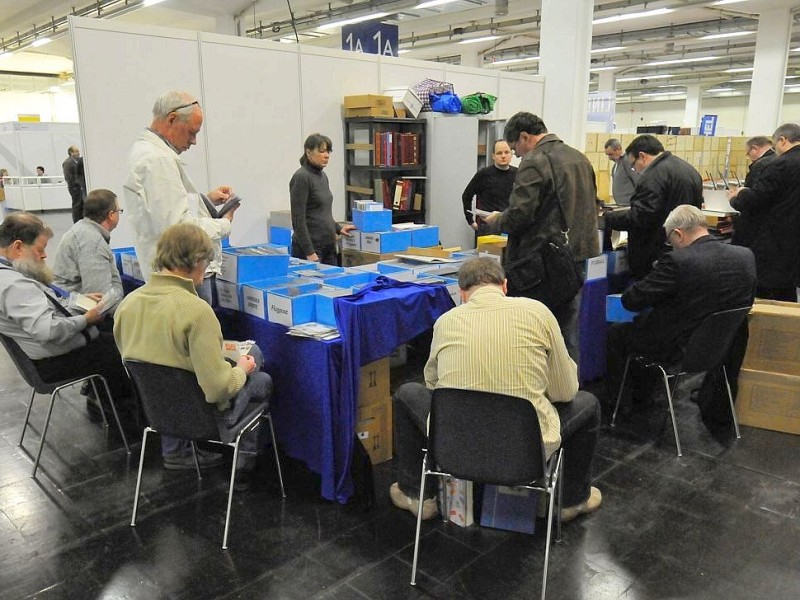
(373, 386)
(368, 101)
(774, 343)
(372, 220)
(412, 103)
(374, 429)
(382, 242)
(246, 264)
(369, 112)
(769, 401)
(357, 258)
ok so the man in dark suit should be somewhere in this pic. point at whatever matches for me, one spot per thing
(760, 154)
(773, 204)
(666, 182)
(699, 277)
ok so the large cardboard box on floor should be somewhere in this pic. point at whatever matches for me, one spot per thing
(374, 382)
(769, 401)
(374, 429)
(774, 343)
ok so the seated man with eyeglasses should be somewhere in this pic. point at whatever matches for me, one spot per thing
(62, 345)
(698, 277)
(84, 261)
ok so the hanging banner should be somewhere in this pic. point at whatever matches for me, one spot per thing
(371, 37)
(602, 108)
(708, 125)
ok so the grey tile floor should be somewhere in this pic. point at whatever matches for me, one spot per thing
(723, 522)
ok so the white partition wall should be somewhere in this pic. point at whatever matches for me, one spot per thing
(260, 99)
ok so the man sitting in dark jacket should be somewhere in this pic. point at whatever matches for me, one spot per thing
(699, 277)
(666, 182)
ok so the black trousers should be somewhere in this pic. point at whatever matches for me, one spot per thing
(77, 195)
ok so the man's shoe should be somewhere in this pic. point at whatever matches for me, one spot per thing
(400, 500)
(184, 462)
(588, 506)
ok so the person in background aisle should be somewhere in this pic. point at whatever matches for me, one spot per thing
(550, 169)
(75, 177)
(491, 187)
(526, 358)
(62, 345)
(667, 181)
(623, 177)
(760, 154)
(166, 323)
(84, 261)
(773, 205)
(158, 192)
(315, 230)
(40, 171)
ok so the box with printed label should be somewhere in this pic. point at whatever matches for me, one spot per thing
(229, 295)
(385, 241)
(352, 241)
(254, 294)
(295, 304)
(424, 237)
(774, 341)
(374, 429)
(280, 235)
(118, 252)
(372, 220)
(254, 263)
(130, 265)
(596, 267)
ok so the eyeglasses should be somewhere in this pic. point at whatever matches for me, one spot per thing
(118, 210)
(182, 106)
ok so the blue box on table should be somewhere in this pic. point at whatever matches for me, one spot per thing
(372, 220)
(254, 263)
(281, 236)
(382, 242)
(615, 312)
(254, 294)
(324, 312)
(118, 252)
(315, 270)
(348, 279)
(425, 237)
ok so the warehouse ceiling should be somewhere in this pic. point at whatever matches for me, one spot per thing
(714, 41)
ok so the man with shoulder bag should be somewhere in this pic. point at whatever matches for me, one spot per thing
(551, 222)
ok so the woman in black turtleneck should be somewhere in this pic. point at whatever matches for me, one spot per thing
(315, 230)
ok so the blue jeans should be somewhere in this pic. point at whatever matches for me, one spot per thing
(580, 430)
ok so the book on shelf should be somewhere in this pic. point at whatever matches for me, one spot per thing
(395, 149)
(403, 194)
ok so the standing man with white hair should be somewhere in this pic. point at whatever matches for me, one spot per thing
(158, 192)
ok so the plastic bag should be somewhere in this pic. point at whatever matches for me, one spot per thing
(446, 102)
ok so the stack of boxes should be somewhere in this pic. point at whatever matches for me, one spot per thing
(374, 411)
(769, 382)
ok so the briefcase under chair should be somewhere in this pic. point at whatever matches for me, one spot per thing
(27, 369)
(707, 350)
(490, 438)
(175, 405)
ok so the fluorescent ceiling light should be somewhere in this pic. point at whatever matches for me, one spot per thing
(719, 36)
(671, 85)
(721, 2)
(486, 38)
(403, 51)
(598, 69)
(612, 49)
(738, 70)
(676, 61)
(795, 49)
(740, 80)
(287, 40)
(40, 42)
(643, 77)
(352, 21)
(636, 15)
(432, 3)
(655, 94)
(508, 61)
(151, 2)
(721, 89)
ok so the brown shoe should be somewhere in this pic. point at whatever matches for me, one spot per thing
(400, 500)
(588, 506)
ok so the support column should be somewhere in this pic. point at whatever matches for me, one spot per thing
(769, 72)
(564, 47)
(469, 56)
(691, 113)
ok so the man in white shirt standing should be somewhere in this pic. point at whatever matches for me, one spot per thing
(510, 346)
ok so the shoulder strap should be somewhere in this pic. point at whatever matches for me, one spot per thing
(564, 226)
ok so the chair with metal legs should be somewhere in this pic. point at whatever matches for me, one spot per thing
(490, 438)
(27, 369)
(707, 349)
(175, 405)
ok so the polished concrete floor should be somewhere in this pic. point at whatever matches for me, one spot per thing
(723, 522)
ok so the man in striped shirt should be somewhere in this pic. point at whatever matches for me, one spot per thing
(509, 346)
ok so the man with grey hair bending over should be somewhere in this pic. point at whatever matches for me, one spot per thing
(699, 277)
(526, 358)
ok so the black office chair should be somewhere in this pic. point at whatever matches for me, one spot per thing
(707, 349)
(490, 438)
(27, 369)
(175, 405)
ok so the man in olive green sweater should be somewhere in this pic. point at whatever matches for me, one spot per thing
(166, 323)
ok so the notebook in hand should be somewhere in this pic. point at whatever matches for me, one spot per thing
(232, 203)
